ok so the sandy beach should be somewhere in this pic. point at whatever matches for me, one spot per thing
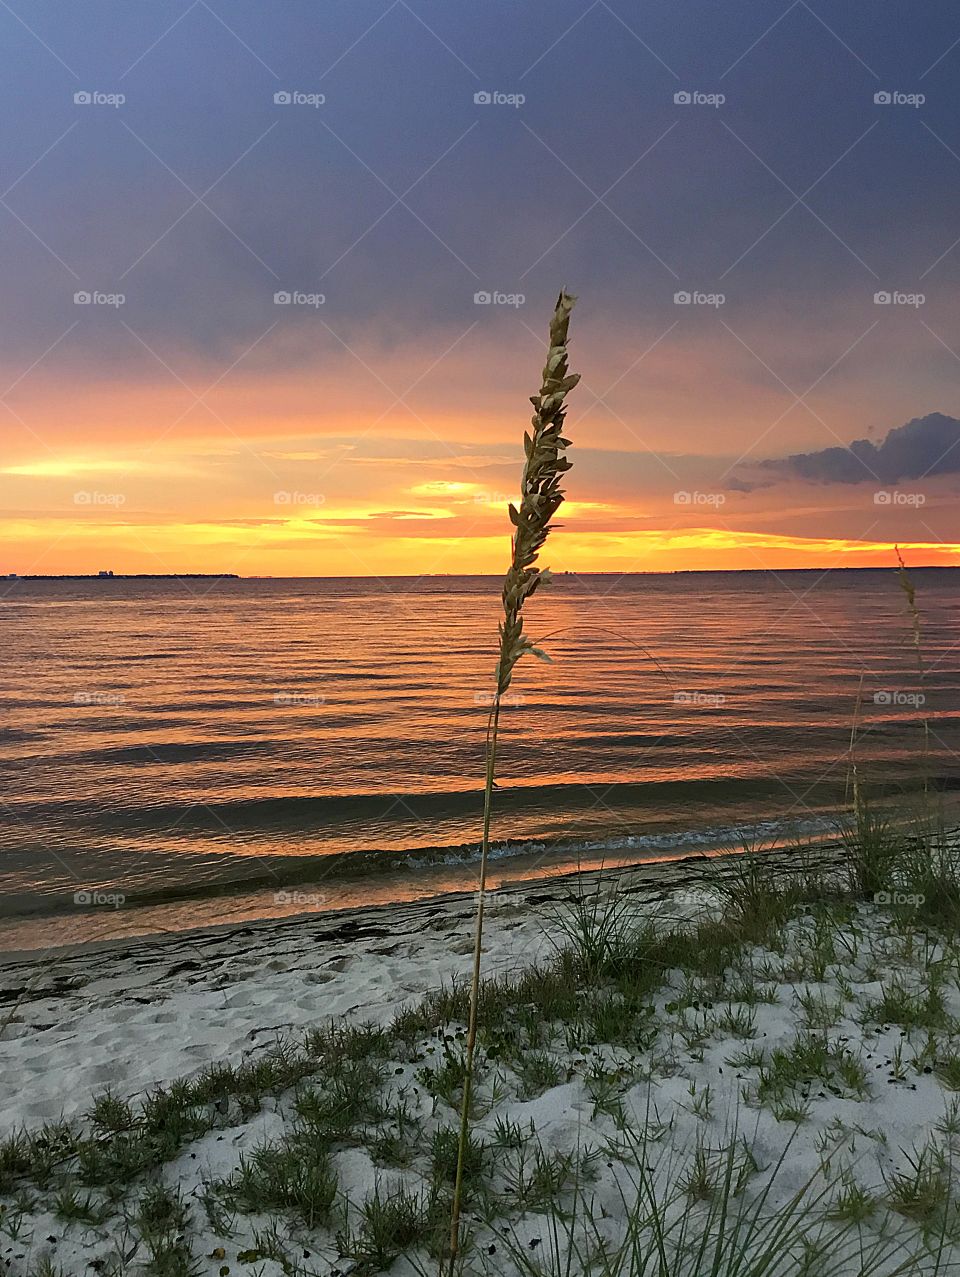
(780, 1073)
(131, 1014)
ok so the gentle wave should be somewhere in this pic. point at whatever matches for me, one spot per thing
(283, 873)
(337, 727)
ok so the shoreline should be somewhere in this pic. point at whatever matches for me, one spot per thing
(346, 879)
(301, 887)
(135, 1014)
(655, 879)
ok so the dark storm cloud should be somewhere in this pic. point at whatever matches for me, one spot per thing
(400, 197)
(923, 447)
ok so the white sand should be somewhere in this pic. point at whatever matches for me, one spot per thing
(131, 1014)
(134, 1015)
(130, 1017)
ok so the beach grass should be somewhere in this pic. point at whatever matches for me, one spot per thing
(672, 1090)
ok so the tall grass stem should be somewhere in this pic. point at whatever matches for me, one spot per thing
(540, 498)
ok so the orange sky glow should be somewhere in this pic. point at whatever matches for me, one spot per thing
(355, 463)
(266, 334)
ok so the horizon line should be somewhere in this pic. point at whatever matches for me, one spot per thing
(479, 576)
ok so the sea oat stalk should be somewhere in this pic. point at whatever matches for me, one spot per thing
(540, 498)
(911, 595)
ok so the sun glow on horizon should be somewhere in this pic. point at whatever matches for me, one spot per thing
(205, 494)
(328, 544)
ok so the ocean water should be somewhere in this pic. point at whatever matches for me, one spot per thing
(187, 753)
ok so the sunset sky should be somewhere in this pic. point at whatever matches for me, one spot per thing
(185, 419)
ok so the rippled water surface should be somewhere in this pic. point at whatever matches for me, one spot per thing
(213, 750)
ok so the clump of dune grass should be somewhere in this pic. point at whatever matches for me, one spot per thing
(698, 1217)
(874, 848)
(540, 498)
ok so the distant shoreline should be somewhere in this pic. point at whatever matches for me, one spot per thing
(132, 576)
(472, 576)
